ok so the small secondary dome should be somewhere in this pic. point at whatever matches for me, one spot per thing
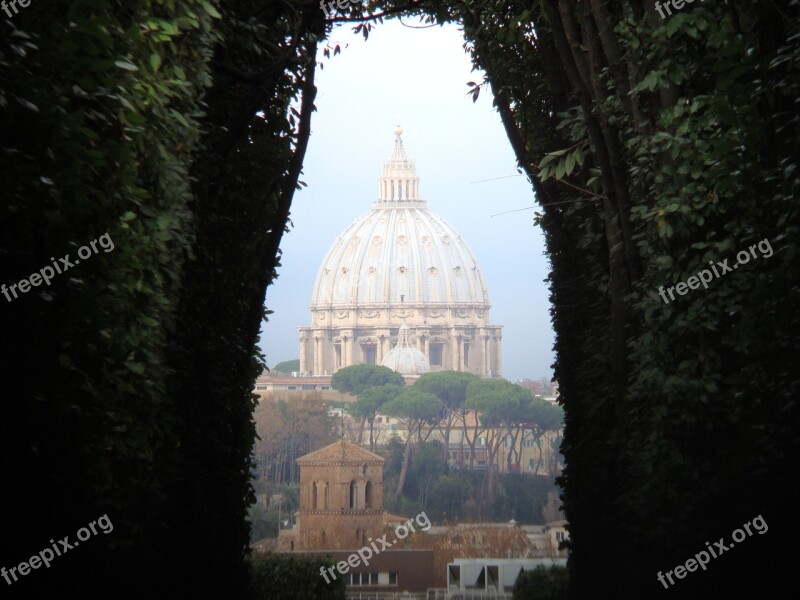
(404, 358)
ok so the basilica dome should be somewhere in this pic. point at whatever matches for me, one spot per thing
(400, 286)
(399, 252)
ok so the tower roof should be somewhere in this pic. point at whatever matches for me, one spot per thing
(341, 452)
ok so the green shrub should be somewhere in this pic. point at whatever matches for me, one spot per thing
(293, 577)
(542, 583)
(287, 366)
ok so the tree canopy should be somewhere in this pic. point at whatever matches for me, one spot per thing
(287, 366)
(370, 402)
(357, 378)
(418, 408)
(449, 386)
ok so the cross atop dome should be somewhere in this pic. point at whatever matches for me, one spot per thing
(399, 183)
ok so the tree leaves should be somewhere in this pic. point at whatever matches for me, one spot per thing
(560, 163)
(124, 64)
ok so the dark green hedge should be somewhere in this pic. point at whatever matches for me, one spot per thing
(129, 384)
(542, 583)
(293, 577)
(655, 146)
(99, 108)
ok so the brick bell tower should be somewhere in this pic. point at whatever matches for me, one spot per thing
(341, 498)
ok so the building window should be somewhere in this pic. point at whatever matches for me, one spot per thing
(368, 495)
(261, 387)
(337, 349)
(327, 494)
(466, 354)
(393, 578)
(361, 579)
(353, 496)
(435, 354)
(454, 575)
(370, 354)
(314, 496)
(560, 536)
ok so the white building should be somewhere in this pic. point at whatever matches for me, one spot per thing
(400, 263)
(490, 578)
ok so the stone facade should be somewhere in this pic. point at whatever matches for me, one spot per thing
(341, 498)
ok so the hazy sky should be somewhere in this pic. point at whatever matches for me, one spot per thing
(417, 78)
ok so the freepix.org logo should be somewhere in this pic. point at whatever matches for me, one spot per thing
(46, 556)
(9, 5)
(706, 276)
(328, 6)
(62, 265)
(702, 558)
(365, 554)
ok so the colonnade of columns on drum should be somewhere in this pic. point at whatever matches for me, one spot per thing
(474, 349)
(398, 189)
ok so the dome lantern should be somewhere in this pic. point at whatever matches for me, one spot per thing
(399, 182)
